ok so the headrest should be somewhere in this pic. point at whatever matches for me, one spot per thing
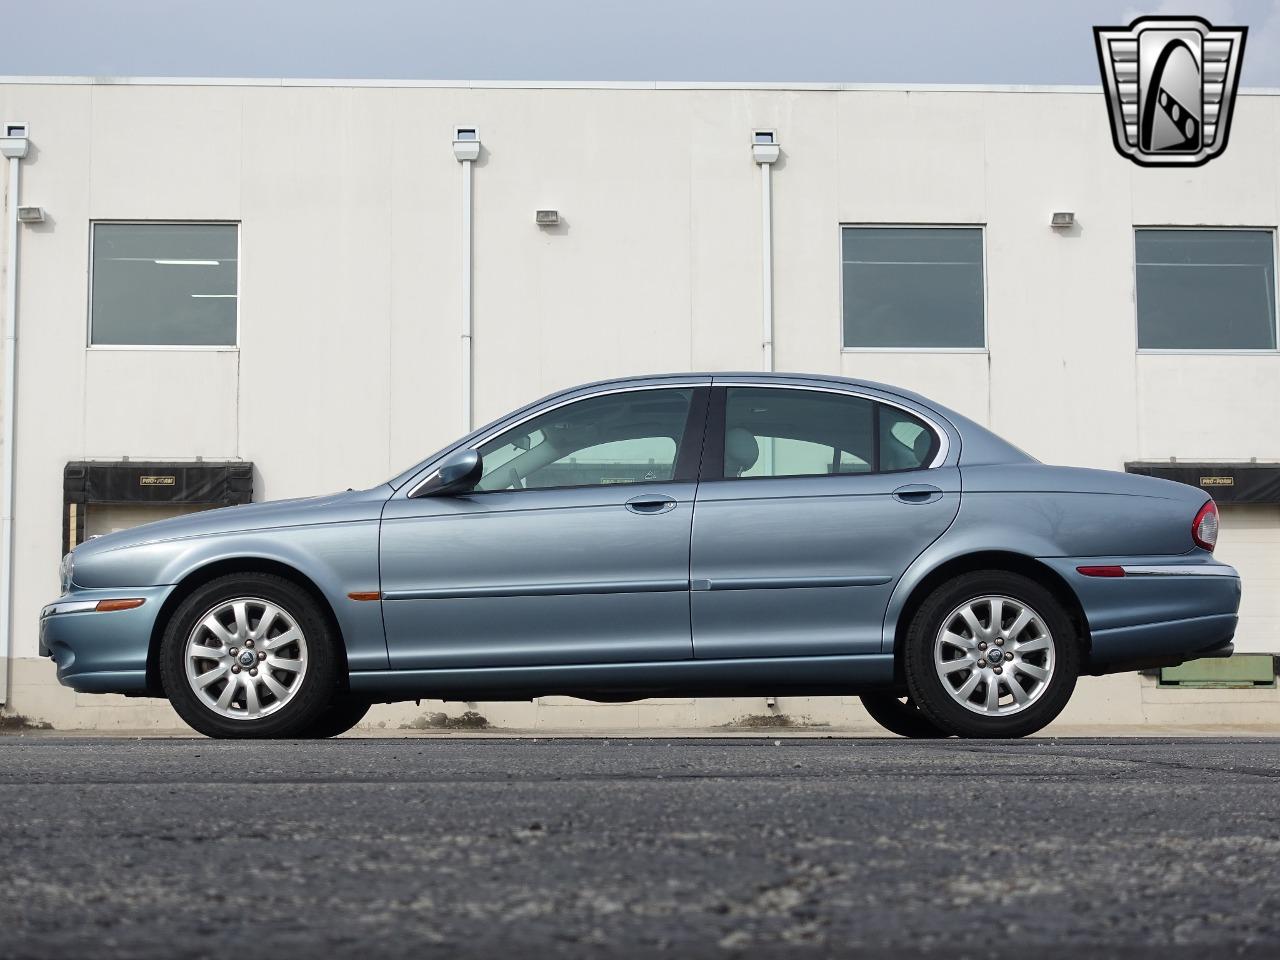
(740, 451)
(921, 446)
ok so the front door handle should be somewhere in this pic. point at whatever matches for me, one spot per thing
(917, 493)
(649, 503)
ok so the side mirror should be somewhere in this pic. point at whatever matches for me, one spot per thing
(459, 473)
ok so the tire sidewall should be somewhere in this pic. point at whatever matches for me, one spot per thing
(342, 713)
(319, 683)
(902, 719)
(927, 688)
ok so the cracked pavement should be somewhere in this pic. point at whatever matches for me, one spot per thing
(759, 847)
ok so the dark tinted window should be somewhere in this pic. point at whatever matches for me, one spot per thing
(1206, 290)
(164, 284)
(913, 287)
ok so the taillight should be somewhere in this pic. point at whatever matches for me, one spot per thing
(1204, 528)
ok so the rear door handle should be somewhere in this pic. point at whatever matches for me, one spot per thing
(650, 503)
(917, 493)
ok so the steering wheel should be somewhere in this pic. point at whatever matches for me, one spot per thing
(513, 479)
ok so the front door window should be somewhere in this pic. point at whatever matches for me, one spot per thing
(631, 437)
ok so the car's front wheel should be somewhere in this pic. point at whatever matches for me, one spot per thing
(991, 654)
(248, 656)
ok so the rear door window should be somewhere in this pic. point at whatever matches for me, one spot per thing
(770, 432)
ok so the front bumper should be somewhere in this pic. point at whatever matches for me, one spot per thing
(1161, 612)
(101, 652)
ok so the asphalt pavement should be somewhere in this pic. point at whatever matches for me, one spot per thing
(615, 848)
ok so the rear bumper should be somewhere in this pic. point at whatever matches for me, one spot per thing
(101, 652)
(1163, 644)
(1162, 612)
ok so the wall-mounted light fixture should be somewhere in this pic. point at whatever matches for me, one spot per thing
(764, 146)
(14, 144)
(547, 218)
(1062, 219)
(31, 214)
(466, 143)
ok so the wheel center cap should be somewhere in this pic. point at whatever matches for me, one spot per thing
(247, 658)
(995, 655)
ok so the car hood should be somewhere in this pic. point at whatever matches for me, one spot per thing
(348, 506)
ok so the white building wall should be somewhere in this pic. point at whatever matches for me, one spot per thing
(348, 196)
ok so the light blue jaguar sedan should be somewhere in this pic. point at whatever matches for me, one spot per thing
(691, 535)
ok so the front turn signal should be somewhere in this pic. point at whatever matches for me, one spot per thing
(106, 606)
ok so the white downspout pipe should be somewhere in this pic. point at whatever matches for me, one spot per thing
(13, 145)
(766, 271)
(467, 313)
(765, 152)
(466, 148)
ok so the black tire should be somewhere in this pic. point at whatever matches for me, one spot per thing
(339, 717)
(900, 715)
(929, 690)
(317, 684)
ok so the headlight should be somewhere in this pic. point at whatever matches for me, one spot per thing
(65, 569)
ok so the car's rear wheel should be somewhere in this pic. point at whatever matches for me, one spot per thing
(249, 655)
(900, 715)
(339, 717)
(991, 654)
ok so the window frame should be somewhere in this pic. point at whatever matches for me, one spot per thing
(712, 469)
(194, 347)
(982, 236)
(1208, 351)
(688, 453)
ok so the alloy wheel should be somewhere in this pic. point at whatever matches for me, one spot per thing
(246, 658)
(994, 655)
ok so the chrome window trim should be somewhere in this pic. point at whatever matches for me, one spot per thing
(1180, 570)
(944, 439)
(694, 383)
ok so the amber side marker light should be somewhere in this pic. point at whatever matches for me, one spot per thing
(364, 595)
(106, 606)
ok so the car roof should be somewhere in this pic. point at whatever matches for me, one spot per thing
(754, 376)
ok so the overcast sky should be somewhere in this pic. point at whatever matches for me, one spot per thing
(867, 41)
